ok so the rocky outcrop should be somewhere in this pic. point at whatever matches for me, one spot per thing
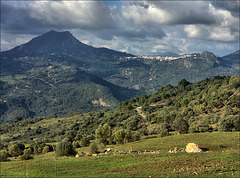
(193, 148)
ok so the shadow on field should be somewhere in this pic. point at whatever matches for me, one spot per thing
(149, 137)
(204, 149)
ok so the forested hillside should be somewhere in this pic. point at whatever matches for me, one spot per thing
(57, 90)
(40, 78)
(208, 105)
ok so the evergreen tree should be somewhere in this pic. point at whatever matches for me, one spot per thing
(65, 148)
(103, 133)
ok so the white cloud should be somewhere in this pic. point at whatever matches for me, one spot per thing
(9, 42)
(222, 34)
(193, 31)
(145, 15)
(225, 28)
(168, 13)
(140, 27)
(72, 14)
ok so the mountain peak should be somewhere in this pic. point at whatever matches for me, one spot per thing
(58, 38)
(58, 42)
(56, 33)
(49, 42)
(207, 54)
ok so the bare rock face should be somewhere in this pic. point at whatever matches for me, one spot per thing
(193, 148)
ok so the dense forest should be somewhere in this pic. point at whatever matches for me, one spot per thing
(209, 105)
(57, 90)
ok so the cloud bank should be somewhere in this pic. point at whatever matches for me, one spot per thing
(141, 27)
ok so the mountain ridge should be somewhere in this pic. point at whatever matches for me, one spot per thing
(54, 41)
(121, 75)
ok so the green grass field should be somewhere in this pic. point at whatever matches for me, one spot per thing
(221, 160)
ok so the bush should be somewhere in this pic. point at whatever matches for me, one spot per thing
(27, 154)
(164, 133)
(101, 147)
(104, 133)
(199, 126)
(94, 148)
(84, 142)
(144, 130)
(163, 130)
(236, 123)
(181, 125)
(128, 136)
(3, 155)
(229, 123)
(76, 144)
(65, 148)
(132, 123)
(37, 145)
(119, 136)
(16, 149)
(136, 136)
(46, 149)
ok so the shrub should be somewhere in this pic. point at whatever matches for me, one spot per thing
(222, 146)
(76, 144)
(164, 133)
(101, 147)
(27, 154)
(132, 123)
(229, 123)
(94, 148)
(104, 133)
(84, 142)
(144, 130)
(225, 125)
(119, 136)
(65, 148)
(181, 125)
(136, 136)
(236, 123)
(46, 149)
(37, 145)
(163, 130)
(199, 126)
(71, 135)
(78, 137)
(128, 136)
(3, 155)
(16, 149)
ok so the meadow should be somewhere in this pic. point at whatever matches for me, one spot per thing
(220, 160)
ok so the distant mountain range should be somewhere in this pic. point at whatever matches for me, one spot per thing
(56, 74)
(167, 54)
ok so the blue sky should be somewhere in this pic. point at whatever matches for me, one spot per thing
(137, 27)
(112, 3)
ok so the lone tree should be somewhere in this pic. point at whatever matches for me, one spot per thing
(103, 133)
(65, 148)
